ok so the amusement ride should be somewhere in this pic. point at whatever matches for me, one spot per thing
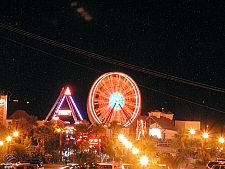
(114, 97)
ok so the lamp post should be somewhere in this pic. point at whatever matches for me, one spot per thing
(15, 134)
(8, 139)
(135, 151)
(144, 161)
(128, 145)
(1, 144)
(192, 132)
(205, 136)
(60, 143)
(221, 140)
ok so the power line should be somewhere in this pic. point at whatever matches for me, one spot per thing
(102, 72)
(109, 60)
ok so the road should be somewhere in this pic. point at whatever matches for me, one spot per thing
(55, 166)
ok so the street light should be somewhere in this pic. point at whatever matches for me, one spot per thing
(60, 142)
(128, 145)
(144, 160)
(1, 143)
(221, 140)
(135, 151)
(15, 134)
(205, 136)
(120, 137)
(8, 139)
(192, 131)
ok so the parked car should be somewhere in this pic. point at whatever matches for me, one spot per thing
(26, 166)
(37, 162)
(220, 159)
(218, 166)
(210, 164)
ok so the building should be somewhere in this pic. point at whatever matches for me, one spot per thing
(3, 108)
(162, 125)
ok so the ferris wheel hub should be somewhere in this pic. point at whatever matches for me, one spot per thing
(116, 100)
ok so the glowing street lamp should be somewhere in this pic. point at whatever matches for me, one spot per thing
(8, 139)
(135, 151)
(144, 160)
(15, 134)
(121, 137)
(192, 131)
(1, 143)
(221, 140)
(60, 142)
(128, 145)
(205, 136)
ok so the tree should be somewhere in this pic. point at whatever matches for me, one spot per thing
(43, 134)
(97, 131)
(174, 162)
(18, 151)
(181, 137)
(25, 127)
(203, 156)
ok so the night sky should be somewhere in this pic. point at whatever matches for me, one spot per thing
(173, 50)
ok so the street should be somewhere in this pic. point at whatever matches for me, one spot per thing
(54, 166)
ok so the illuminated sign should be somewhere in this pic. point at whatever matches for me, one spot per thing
(64, 112)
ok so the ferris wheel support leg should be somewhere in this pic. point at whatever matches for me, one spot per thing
(127, 116)
(110, 114)
(53, 107)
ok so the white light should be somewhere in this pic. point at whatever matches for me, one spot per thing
(144, 160)
(221, 140)
(205, 135)
(192, 131)
(155, 132)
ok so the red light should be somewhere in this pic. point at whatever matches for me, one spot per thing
(67, 92)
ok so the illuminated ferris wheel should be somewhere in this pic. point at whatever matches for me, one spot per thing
(114, 97)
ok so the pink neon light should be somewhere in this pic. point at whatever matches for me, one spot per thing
(67, 92)
(60, 104)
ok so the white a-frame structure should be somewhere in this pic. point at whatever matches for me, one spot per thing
(55, 111)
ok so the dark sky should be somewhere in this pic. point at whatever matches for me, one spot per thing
(173, 50)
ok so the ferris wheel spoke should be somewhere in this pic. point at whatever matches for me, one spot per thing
(126, 114)
(110, 114)
(124, 86)
(128, 91)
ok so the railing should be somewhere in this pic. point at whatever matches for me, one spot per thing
(164, 142)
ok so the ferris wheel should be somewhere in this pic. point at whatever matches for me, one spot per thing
(114, 97)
